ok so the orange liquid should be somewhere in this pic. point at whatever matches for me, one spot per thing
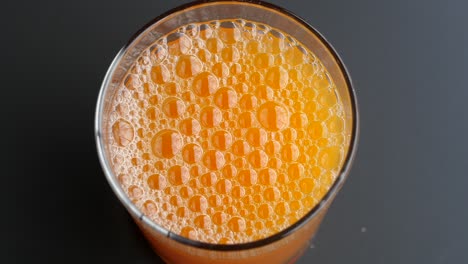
(227, 132)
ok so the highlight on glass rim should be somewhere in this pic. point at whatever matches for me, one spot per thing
(226, 128)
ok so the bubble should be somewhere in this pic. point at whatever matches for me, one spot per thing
(157, 53)
(123, 132)
(225, 98)
(246, 120)
(272, 116)
(160, 74)
(220, 69)
(198, 204)
(264, 92)
(299, 120)
(192, 153)
(208, 179)
(178, 175)
(219, 218)
(213, 160)
(307, 185)
(282, 209)
(171, 88)
(173, 107)
(205, 84)
(178, 43)
(264, 211)
(248, 102)
(202, 221)
(221, 140)
(253, 47)
(327, 98)
(330, 158)
(204, 55)
(210, 116)
(135, 192)
(236, 224)
(256, 136)
(263, 60)
(156, 182)
(321, 83)
(189, 232)
(247, 177)
(238, 191)
(188, 66)
(185, 192)
(295, 171)
(267, 176)
(205, 31)
(271, 194)
(229, 33)
(335, 124)
(240, 148)
(166, 143)
(150, 208)
(214, 45)
(290, 152)
(315, 130)
(294, 56)
(230, 54)
(189, 127)
(229, 171)
(277, 78)
(223, 186)
(132, 82)
(258, 158)
(215, 200)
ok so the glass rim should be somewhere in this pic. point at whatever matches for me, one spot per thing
(332, 191)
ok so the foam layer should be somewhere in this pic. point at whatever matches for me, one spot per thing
(227, 131)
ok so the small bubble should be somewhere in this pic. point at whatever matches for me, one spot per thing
(178, 44)
(178, 175)
(230, 54)
(225, 98)
(210, 116)
(246, 120)
(214, 45)
(189, 127)
(247, 177)
(218, 218)
(221, 70)
(258, 159)
(166, 143)
(192, 153)
(213, 160)
(123, 132)
(223, 186)
(229, 171)
(221, 140)
(205, 84)
(198, 203)
(237, 224)
(160, 74)
(267, 176)
(272, 116)
(229, 33)
(173, 107)
(156, 182)
(188, 66)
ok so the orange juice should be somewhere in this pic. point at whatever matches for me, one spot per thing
(227, 131)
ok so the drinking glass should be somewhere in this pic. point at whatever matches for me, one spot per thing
(285, 246)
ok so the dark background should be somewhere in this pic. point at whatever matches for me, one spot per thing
(404, 202)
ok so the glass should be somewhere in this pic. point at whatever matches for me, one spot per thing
(285, 246)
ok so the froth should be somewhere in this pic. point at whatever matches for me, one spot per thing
(226, 131)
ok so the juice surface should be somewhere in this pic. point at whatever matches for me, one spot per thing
(226, 131)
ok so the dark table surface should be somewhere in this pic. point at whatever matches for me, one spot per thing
(404, 202)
